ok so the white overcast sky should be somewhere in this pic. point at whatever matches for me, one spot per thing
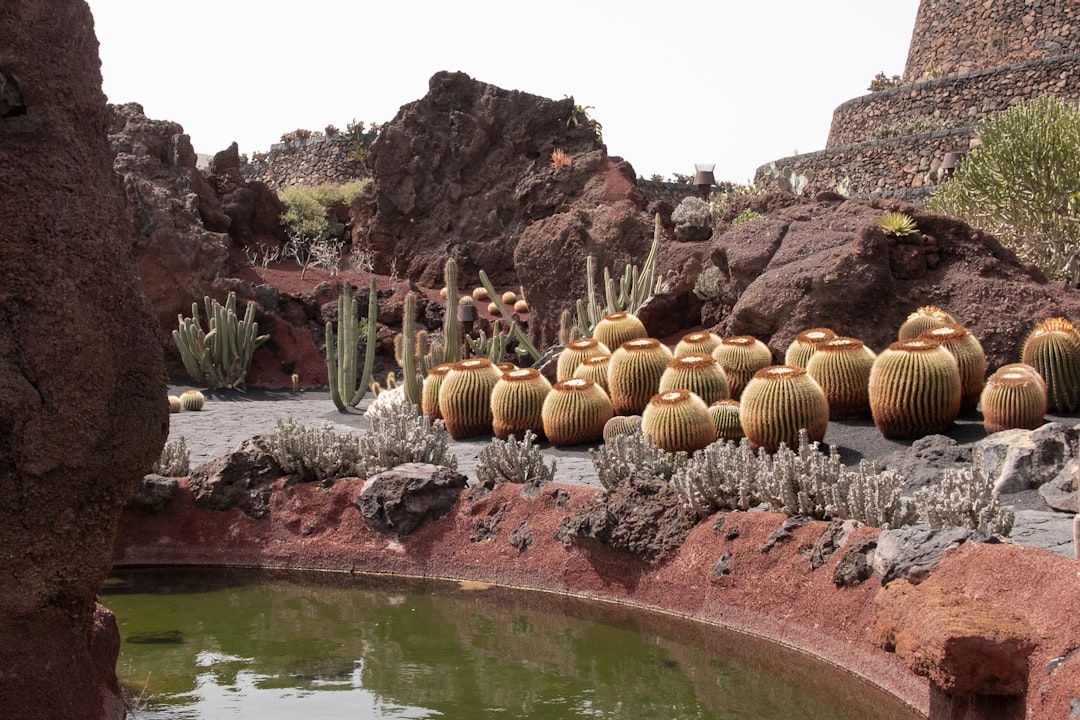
(673, 83)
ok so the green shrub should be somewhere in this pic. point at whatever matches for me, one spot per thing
(306, 207)
(746, 216)
(1022, 184)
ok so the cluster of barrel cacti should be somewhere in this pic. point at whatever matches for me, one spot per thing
(189, 400)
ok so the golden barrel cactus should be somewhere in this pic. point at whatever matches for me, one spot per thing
(516, 402)
(575, 412)
(1014, 397)
(741, 356)
(923, 319)
(465, 397)
(914, 389)
(615, 329)
(175, 405)
(803, 346)
(841, 367)
(778, 402)
(594, 368)
(620, 425)
(574, 352)
(634, 374)
(698, 373)
(701, 341)
(725, 417)
(429, 393)
(1053, 349)
(192, 400)
(678, 420)
(970, 358)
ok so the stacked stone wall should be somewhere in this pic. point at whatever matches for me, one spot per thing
(953, 101)
(961, 36)
(314, 160)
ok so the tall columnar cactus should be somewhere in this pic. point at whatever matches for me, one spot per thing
(1053, 348)
(616, 328)
(620, 425)
(841, 367)
(725, 417)
(634, 374)
(1014, 397)
(700, 374)
(678, 420)
(410, 370)
(451, 325)
(970, 358)
(576, 351)
(914, 389)
(741, 356)
(341, 349)
(778, 402)
(575, 412)
(221, 357)
(517, 400)
(803, 346)
(923, 319)
(429, 393)
(594, 368)
(701, 341)
(465, 397)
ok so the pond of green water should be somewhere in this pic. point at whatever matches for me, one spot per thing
(212, 644)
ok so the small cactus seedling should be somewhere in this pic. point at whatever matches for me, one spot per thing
(620, 425)
(725, 417)
(175, 405)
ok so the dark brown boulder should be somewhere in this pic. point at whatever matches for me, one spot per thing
(83, 411)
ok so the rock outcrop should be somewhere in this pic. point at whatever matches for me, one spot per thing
(83, 411)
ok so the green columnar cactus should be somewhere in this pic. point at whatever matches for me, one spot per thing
(341, 368)
(634, 374)
(568, 329)
(841, 367)
(778, 402)
(725, 417)
(517, 400)
(1053, 348)
(803, 346)
(525, 346)
(923, 319)
(594, 368)
(914, 389)
(702, 341)
(741, 356)
(620, 425)
(616, 328)
(970, 358)
(465, 397)
(1013, 397)
(575, 412)
(700, 374)
(222, 356)
(574, 352)
(410, 371)
(429, 393)
(192, 400)
(678, 420)
(175, 405)
(451, 325)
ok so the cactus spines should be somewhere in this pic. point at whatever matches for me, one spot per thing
(574, 352)
(701, 341)
(222, 356)
(634, 374)
(575, 412)
(465, 397)
(678, 420)
(914, 389)
(741, 356)
(429, 394)
(923, 319)
(175, 405)
(725, 417)
(517, 400)
(594, 368)
(1053, 349)
(409, 370)
(451, 325)
(616, 328)
(700, 374)
(778, 402)
(620, 425)
(841, 367)
(506, 366)
(192, 400)
(1013, 397)
(345, 389)
(970, 358)
(568, 329)
(804, 344)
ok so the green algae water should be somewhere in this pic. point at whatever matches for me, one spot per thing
(212, 644)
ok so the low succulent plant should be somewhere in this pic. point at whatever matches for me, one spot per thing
(575, 412)
(841, 367)
(700, 374)
(897, 224)
(1014, 397)
(803, 346)
(516, 403)
(678, 420)
(778, 403)
(914, 389)
(741, 356)
(1053, 349)
(634, 373)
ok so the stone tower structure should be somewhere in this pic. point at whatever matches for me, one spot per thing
(966, 61)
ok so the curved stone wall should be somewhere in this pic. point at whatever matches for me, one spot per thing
(953, 101)
(952, 36)
(312, 161)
